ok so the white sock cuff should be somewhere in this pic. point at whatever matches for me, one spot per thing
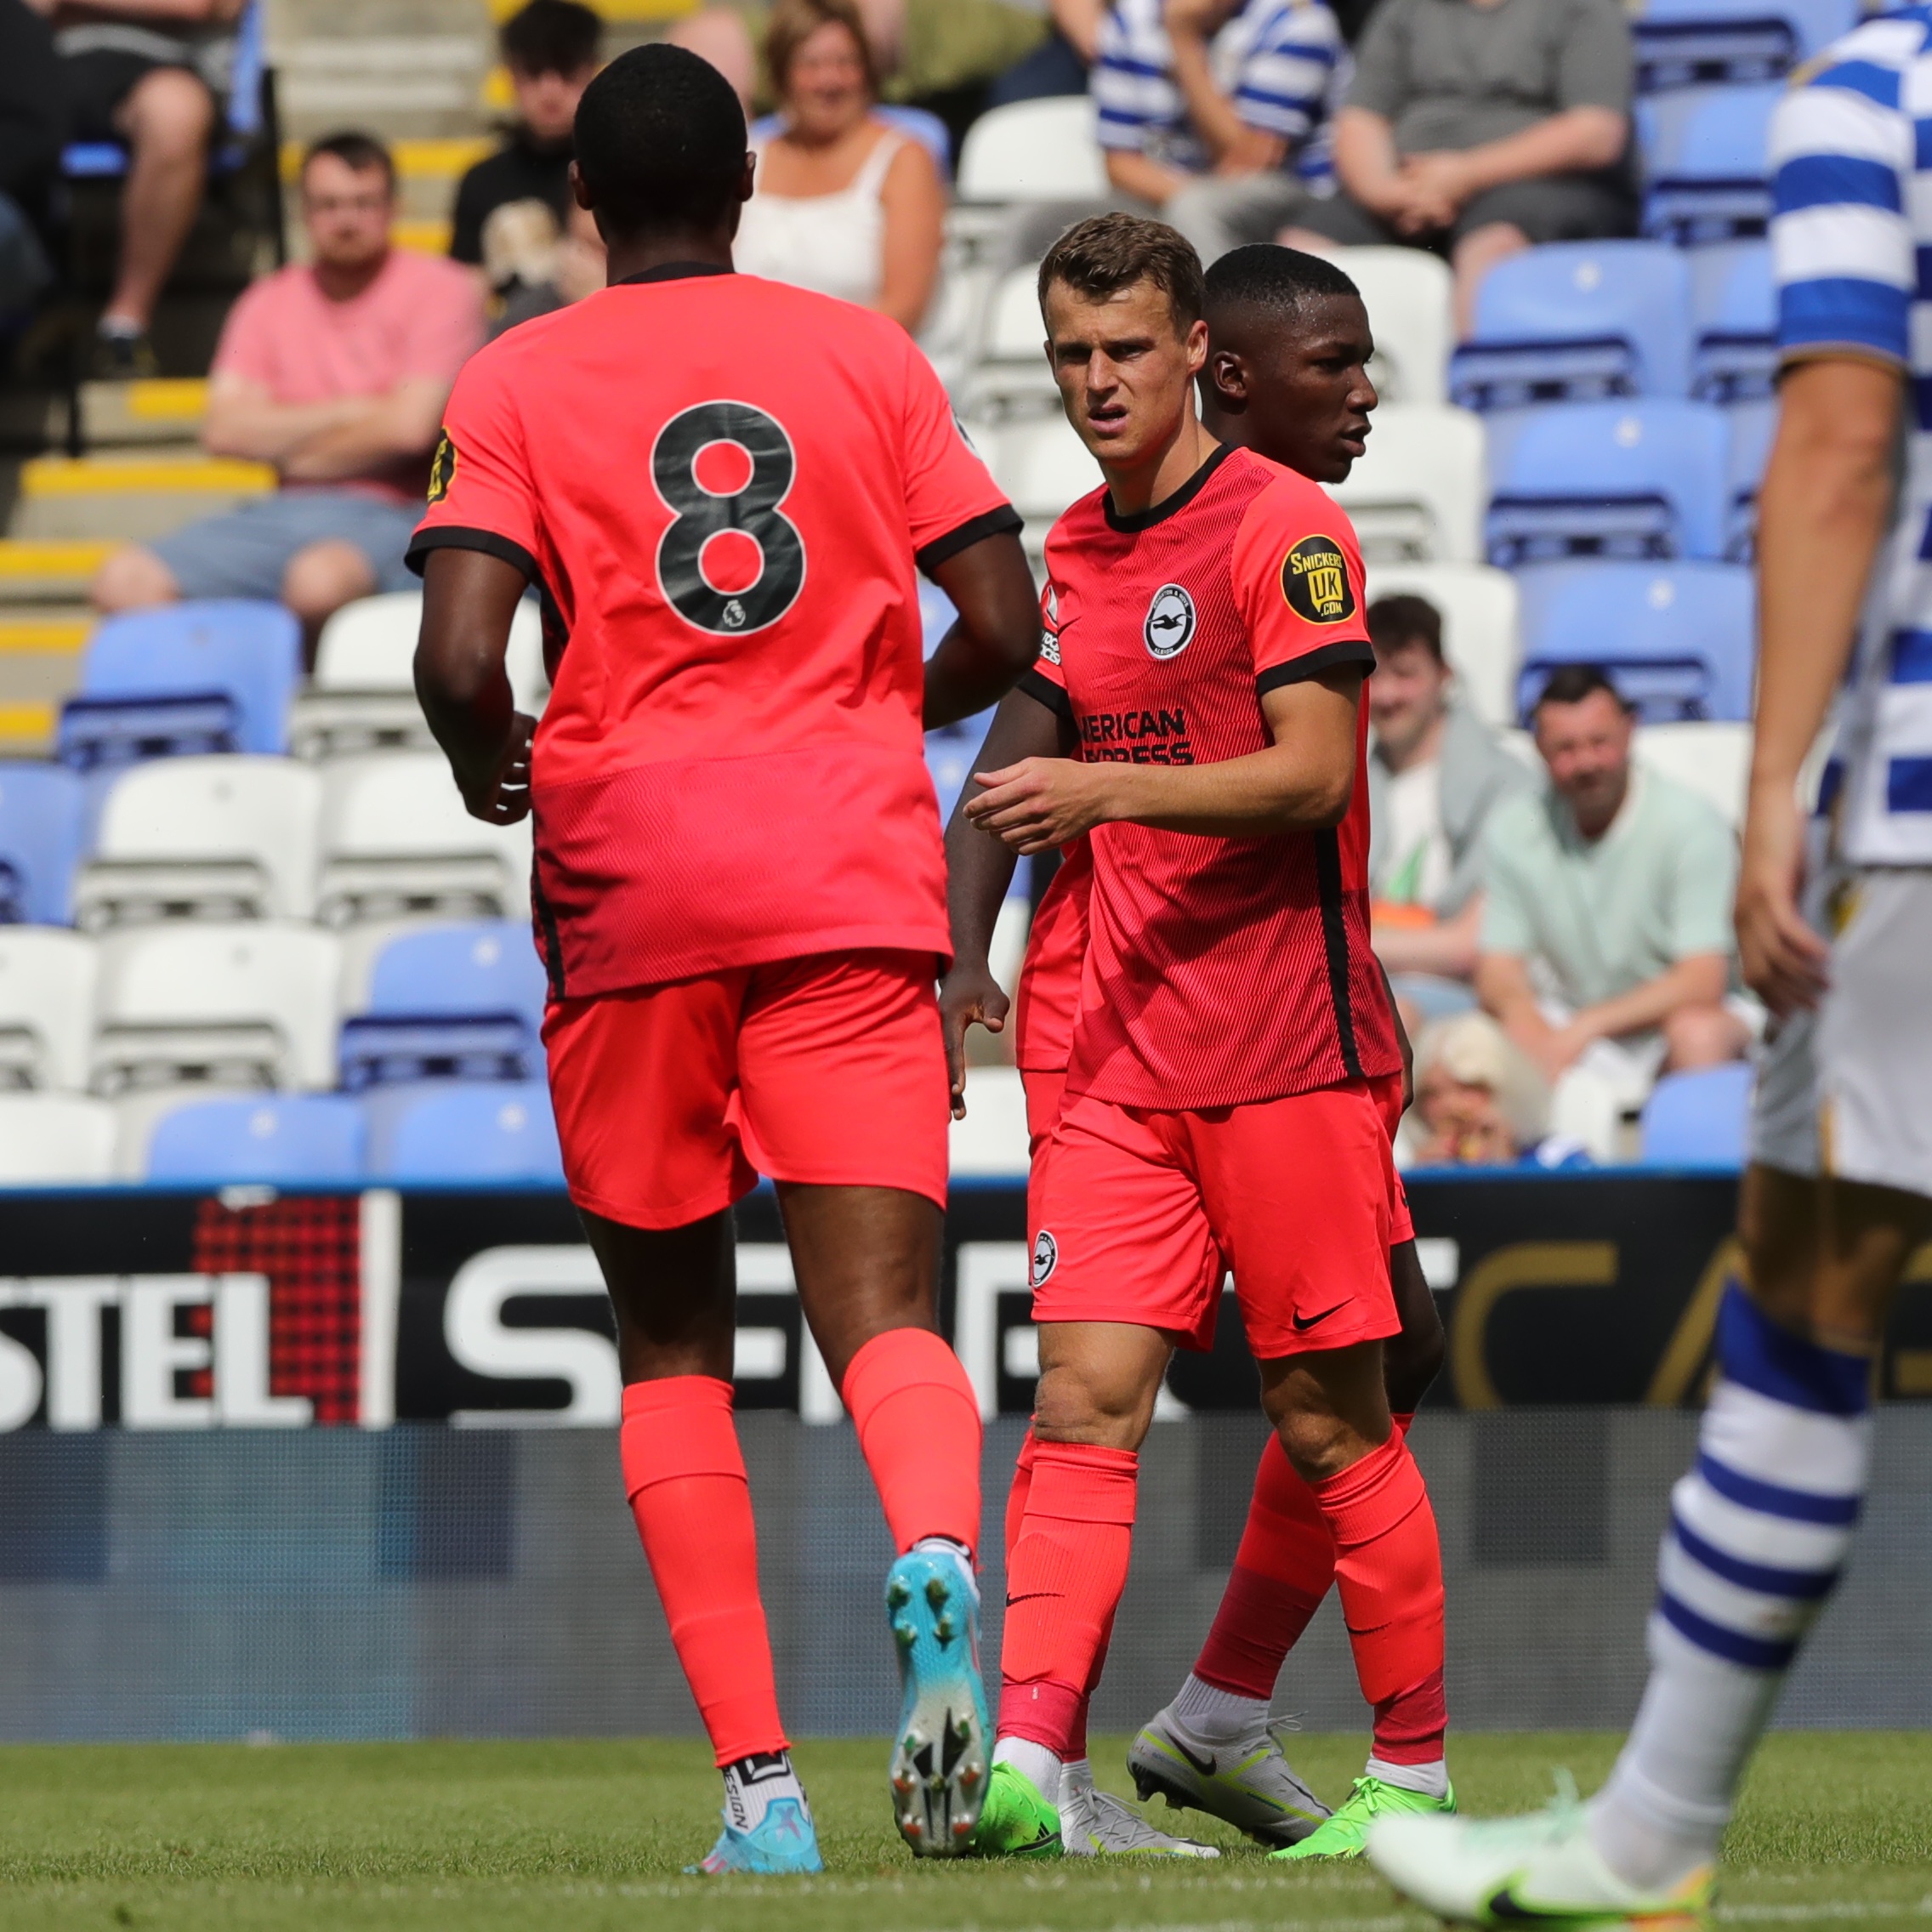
(1429, 1781)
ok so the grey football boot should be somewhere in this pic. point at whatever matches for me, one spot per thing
(1250, 1784)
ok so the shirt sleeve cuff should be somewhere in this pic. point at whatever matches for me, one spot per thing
(456, 536)
(929, 557)
(1299, 670)
(1044, 691)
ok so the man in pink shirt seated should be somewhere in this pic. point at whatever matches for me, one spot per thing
(336, 372)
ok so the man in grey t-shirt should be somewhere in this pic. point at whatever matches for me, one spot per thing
(1479, 128)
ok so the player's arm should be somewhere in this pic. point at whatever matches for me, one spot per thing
(978, 871)
(997, 636)
(1823, 512)
(470, 599)
(1302, 782)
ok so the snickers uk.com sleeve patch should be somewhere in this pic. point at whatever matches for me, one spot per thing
(1315, 581)
(442, 469)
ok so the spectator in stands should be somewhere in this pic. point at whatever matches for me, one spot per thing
(1062, 62)
(844, 203)
(146, 75)
(1479, 129)
(511, 208)
(1208, 111)
(572, 268)
(1436, 773)
(1480, 1102)
(1606, 940)
(33, 124)
(335, 372)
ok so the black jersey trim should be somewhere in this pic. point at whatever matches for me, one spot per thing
(456, 536)
(1044, 691)
(1299, 670)
(671, 272)
(1168, 506)
(552, 941)
(989, 523)
(1335, 944)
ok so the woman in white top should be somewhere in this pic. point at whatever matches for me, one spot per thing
(844, 204)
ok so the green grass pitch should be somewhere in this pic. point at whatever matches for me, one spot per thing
(580, 1836)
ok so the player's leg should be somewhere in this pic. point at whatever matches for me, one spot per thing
(653, 1185)
(844, 1100)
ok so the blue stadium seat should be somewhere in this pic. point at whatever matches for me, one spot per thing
(1752, 425)
(1699, 1120)
(286, 1140)
(42, 818)
(1675, 637)
(1606, 480)
(1683, 43)
(1734, 322)
(920, 123)
(499, 1131)
(459, 1001)
(1577, 321)
(184, 678)
(1708, 180)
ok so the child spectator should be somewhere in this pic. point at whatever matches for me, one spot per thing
(337, 372)
(1210, 111)
(519, 199)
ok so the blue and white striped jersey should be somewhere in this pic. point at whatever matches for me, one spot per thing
(1851, 241)
(1281, 61)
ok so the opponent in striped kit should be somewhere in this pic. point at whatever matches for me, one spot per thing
(1840, 1189)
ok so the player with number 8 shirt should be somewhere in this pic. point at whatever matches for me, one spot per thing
(719, 488)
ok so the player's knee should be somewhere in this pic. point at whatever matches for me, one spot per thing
(323, 578)
(132, 579)
(1077, 1403)
(1701, 1036)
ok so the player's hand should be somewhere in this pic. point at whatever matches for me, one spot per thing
(969, 994)
(504, 797)
(1040, 803)
(1786, 963)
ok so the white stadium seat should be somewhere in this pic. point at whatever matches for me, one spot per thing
(245, 1005)
(1418, 495)
(1481, 628)
(397, 842)
(1406, 293)
(363, 695)
(54, 1140)
(220, 837)
(991, 1139)
(1043, 467)
(46, 992)
(1708, 756)
(1009, 374)
(1034, 151)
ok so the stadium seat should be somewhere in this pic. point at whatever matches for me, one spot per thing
(1699, 1120)
(924, 127)
(396, 841)
(1406, 293)
(229, 838)
(1577, 321)
(46, 992)
(991, 1139)
(247, 1005)
(1009, 376)
(285, 1139)
(499, 1131)
(54, 1140)
(1706, 757)
(184, 678)
(1481, 627)
(1034, 151)
(1752, 425)
(363, 697)
(41, 837)
(1707, 174)
(457, 1002)
(1043, 467)
(1606, 480)
(1733, 321)
(1684, 44)
(1416, 496)
(1677, 638)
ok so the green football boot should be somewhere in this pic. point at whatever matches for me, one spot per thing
(1016, 1821)
(1344, 1834)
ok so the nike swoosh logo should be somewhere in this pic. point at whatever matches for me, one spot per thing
(1204, 1766)
(1302, 1324)
(1507, 1906)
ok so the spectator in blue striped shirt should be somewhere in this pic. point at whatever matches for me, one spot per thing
(1216, 113)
